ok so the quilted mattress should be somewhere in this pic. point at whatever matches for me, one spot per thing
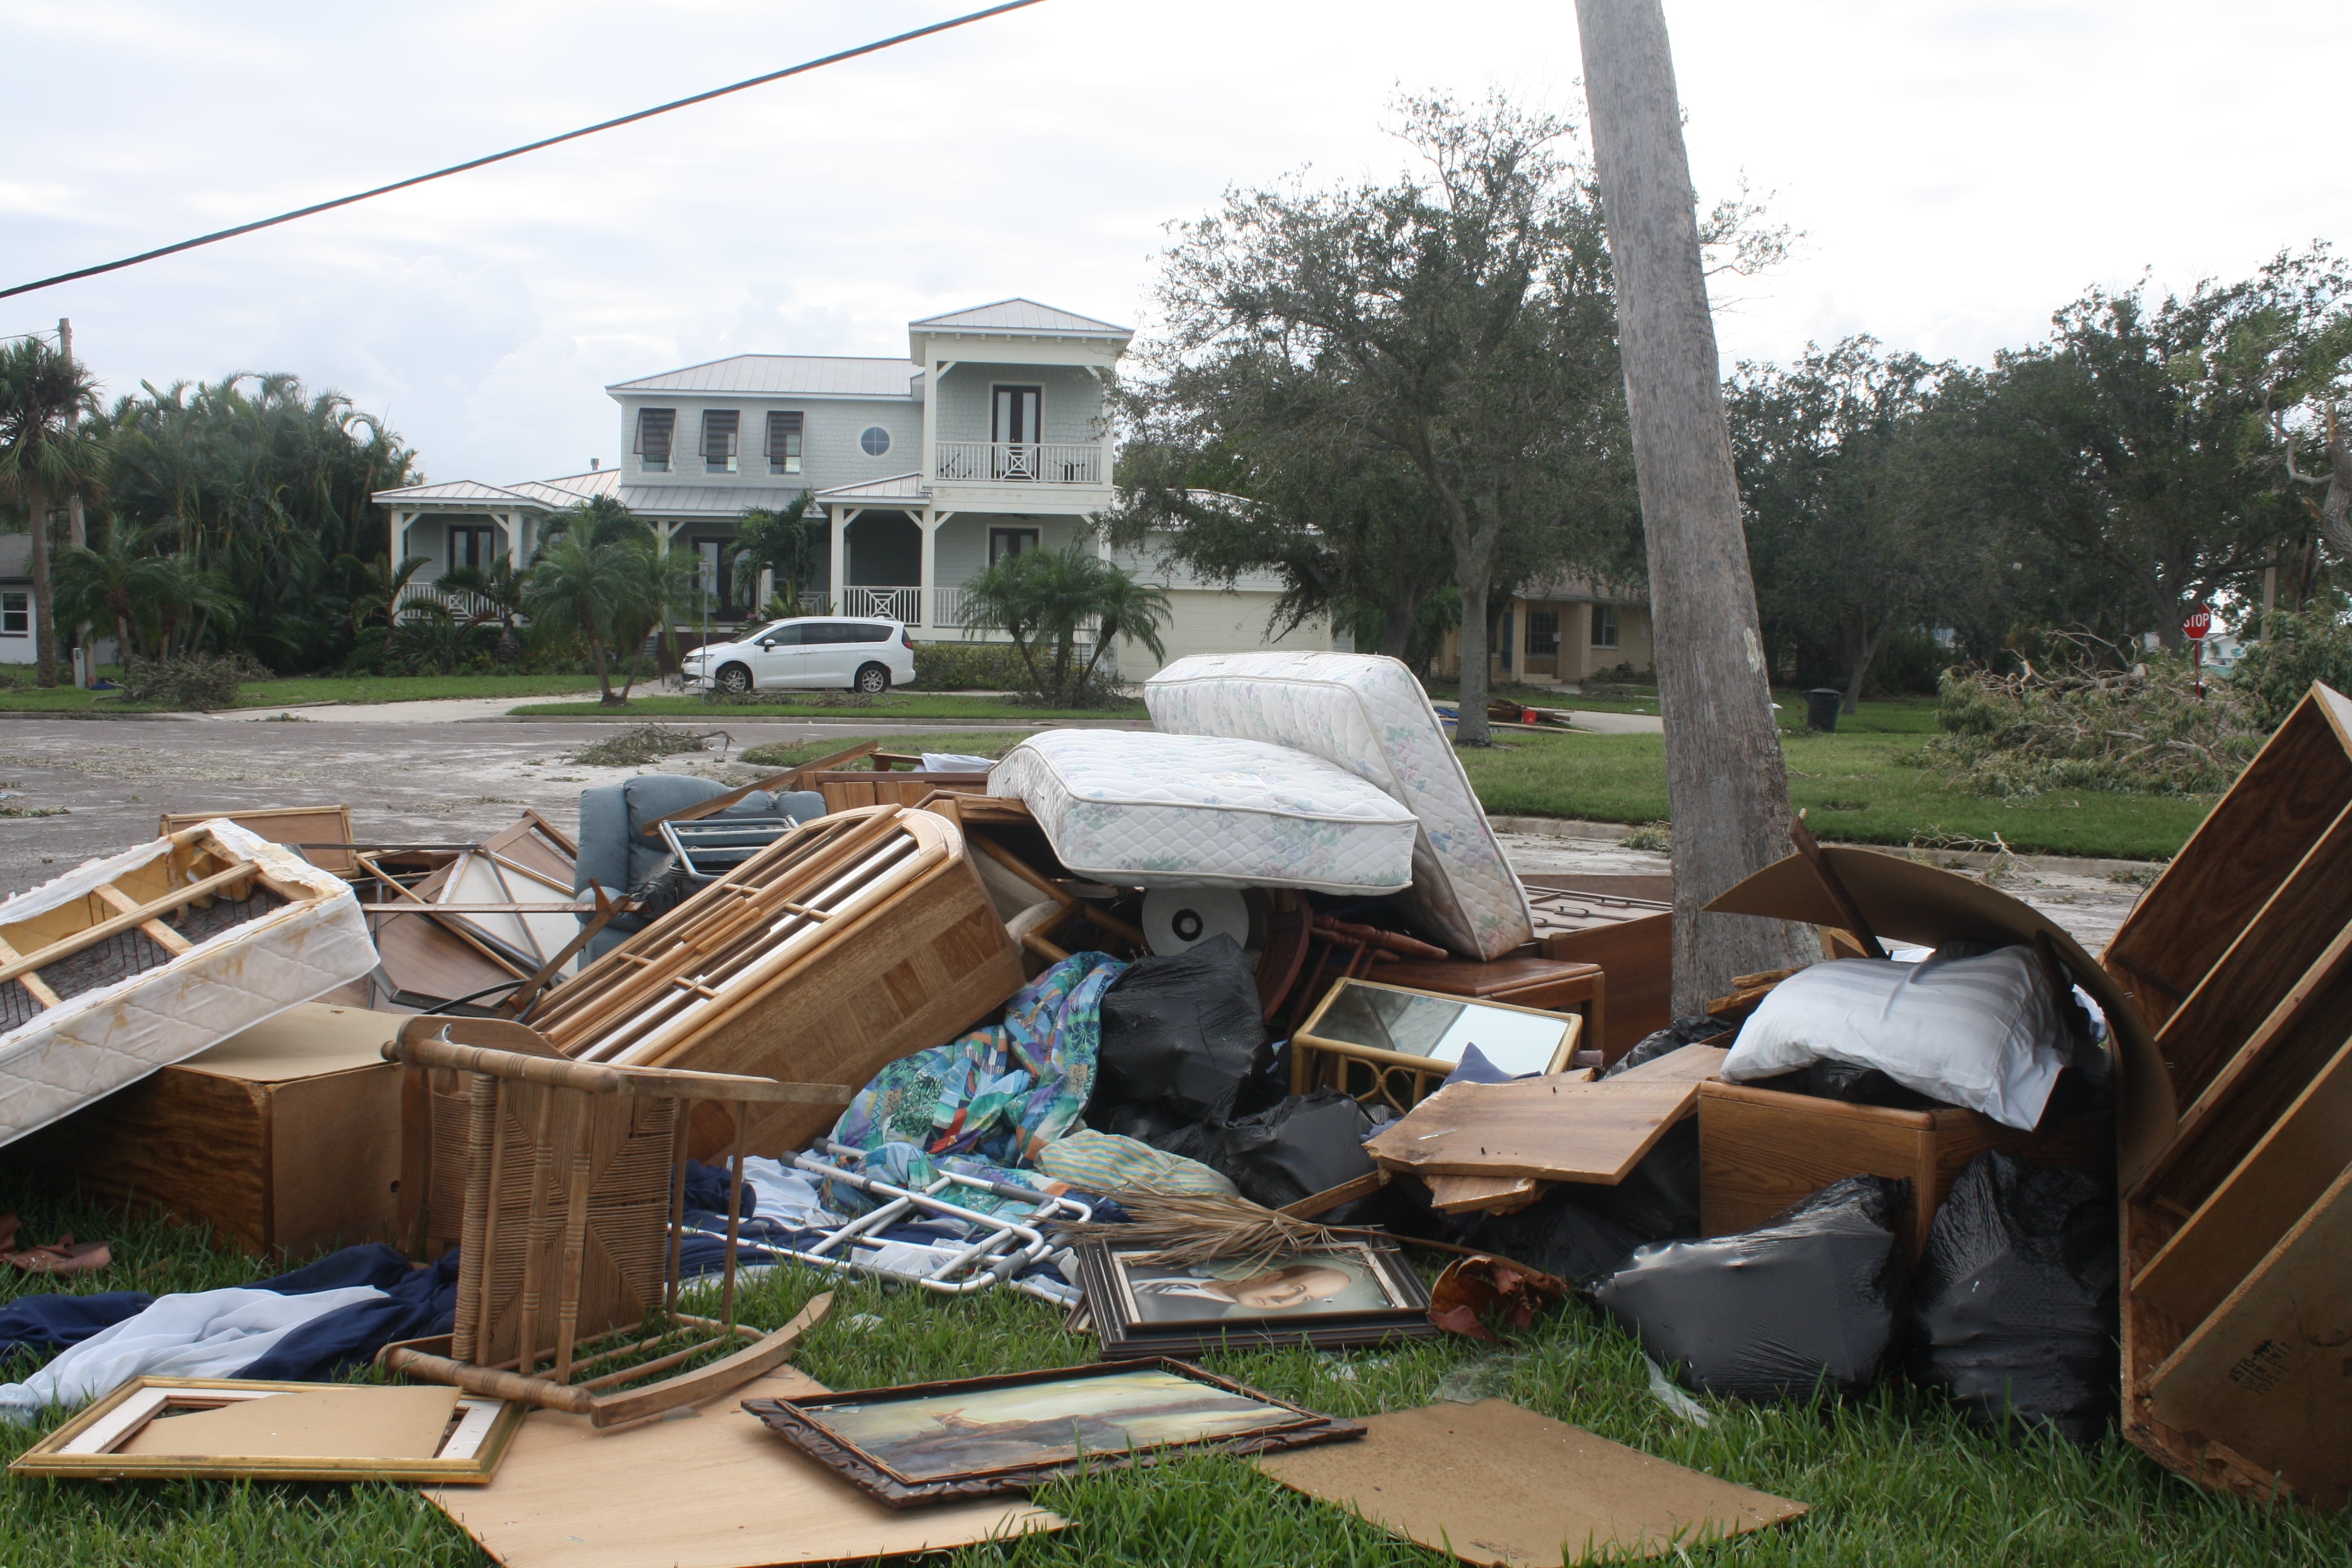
(1145, 810)
(97, 1041)
(1368, 715)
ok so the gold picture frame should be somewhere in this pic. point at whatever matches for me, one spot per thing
(92, 1446)
(1320, 1056)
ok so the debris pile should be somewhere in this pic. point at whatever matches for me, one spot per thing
(1240, 1033)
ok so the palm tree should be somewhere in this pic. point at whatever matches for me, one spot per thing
(580, 588)
(779, 542)
(43, 453)
(115, 577)
(1044, 598)
(664, 585)
(189, 599)
(383, 585)
(601, 520)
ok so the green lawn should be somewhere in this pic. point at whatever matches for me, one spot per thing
(1893, 1479)
(896, 705)
(297, 689)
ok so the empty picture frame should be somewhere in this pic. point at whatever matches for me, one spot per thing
(174, 1429)
(980, 1437)
(1329, 1297)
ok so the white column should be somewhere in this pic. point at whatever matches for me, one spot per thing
(838, 520)
(514, 540)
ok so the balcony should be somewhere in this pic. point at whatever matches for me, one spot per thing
(1020, 462)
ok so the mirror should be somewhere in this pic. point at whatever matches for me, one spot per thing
(1439, 1029)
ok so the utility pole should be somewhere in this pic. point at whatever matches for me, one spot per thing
(1726, 781)
(76, 531)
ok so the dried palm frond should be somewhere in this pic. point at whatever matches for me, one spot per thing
(1186, 1229)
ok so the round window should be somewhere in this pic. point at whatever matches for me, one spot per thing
(876, 440)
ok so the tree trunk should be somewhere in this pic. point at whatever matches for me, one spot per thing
(45, 618)
(1864, 654)
(1727, 783)
(1473, 574)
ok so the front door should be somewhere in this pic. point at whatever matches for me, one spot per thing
(1013, 429)
(714, 579)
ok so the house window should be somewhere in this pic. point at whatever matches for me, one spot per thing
(1543, 633)
(1604, 625)
(471, 545)
(713, 576)
(875, 441)
(720, 426)
(784, 442)
(15, 615)
(1003, 544)
(655, 428)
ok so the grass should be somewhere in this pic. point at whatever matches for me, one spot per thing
(299, 690)
(968, 742)
(894, 705)
(1892, 1479)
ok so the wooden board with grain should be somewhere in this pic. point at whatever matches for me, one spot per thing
(1483, 1194)
(1540, 1129)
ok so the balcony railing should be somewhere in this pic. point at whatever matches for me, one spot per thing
(1021, 462)
(904, 605)
(462, 605)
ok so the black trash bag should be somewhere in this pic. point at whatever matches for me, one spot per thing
(664, 888)
(1808, 1305)
(2013, 1311)
(1164, 1131)
(1181, 1033)
(1309, 1143)
(1581, 1231)
(1855, 1084)
(1687, 1031)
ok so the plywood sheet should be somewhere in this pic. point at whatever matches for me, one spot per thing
(1494, 1484)
(305, 1040)
(357, 1423)
(708, 1488)
(1547, 1129)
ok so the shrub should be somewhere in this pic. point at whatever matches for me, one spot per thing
(967, 667)
(2295, 651)
(202, 681)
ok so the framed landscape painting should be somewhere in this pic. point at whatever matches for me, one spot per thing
(1354, 1293)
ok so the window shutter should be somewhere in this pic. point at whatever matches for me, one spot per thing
(655, 426)
(783, 434)
(719, 427)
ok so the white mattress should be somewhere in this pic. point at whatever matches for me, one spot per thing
(1145, 810)
(98, 1041)
(1368, 715)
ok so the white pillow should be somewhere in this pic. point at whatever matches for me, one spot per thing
(1983, 1032)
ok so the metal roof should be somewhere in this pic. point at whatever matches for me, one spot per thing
(571, 488)
(454, 491)
(785, 375)
(897, 486)
(705, 501)
(1019, 315)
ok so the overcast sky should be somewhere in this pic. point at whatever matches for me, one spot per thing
(1959, 169)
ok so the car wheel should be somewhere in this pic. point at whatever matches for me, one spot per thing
(734, 680)
(872, 680)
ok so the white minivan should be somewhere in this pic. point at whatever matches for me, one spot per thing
(870, 656)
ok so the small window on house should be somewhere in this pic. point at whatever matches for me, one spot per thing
(655, 428)
(1604, 625)
(1543, 633)
(784, 442)
(470, 545)
(720, 428)
(1003, 544)
(15, 615)
(875, 441)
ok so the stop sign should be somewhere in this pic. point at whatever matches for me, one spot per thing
(2199, 622)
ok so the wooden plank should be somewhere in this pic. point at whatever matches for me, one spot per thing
(322, 832)
(1540, 1128)
(2285, 801)
(2249, 1095)
(2285, 1175)
(2264, 1375)
(2277, 949)
(1482, 1194)
(1637, 957)
(89, 936)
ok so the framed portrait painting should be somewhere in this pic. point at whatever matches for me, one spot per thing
(1330, 1298)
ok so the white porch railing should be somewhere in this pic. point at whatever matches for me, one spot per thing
(460, 604)
(815, 602)
(1024, 462)
(950, 607)
(904, 605)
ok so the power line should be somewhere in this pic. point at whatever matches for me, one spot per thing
(518, 152)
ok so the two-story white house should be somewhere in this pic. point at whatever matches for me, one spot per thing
(989, 438)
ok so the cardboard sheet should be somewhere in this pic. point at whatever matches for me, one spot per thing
(707, 1487)
(357, 1423)
(1494, 1485)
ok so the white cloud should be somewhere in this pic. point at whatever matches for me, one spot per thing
(1959, 169)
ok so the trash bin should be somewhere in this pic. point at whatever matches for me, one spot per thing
(1822, 705)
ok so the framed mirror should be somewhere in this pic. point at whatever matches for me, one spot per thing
(1404, 1042)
